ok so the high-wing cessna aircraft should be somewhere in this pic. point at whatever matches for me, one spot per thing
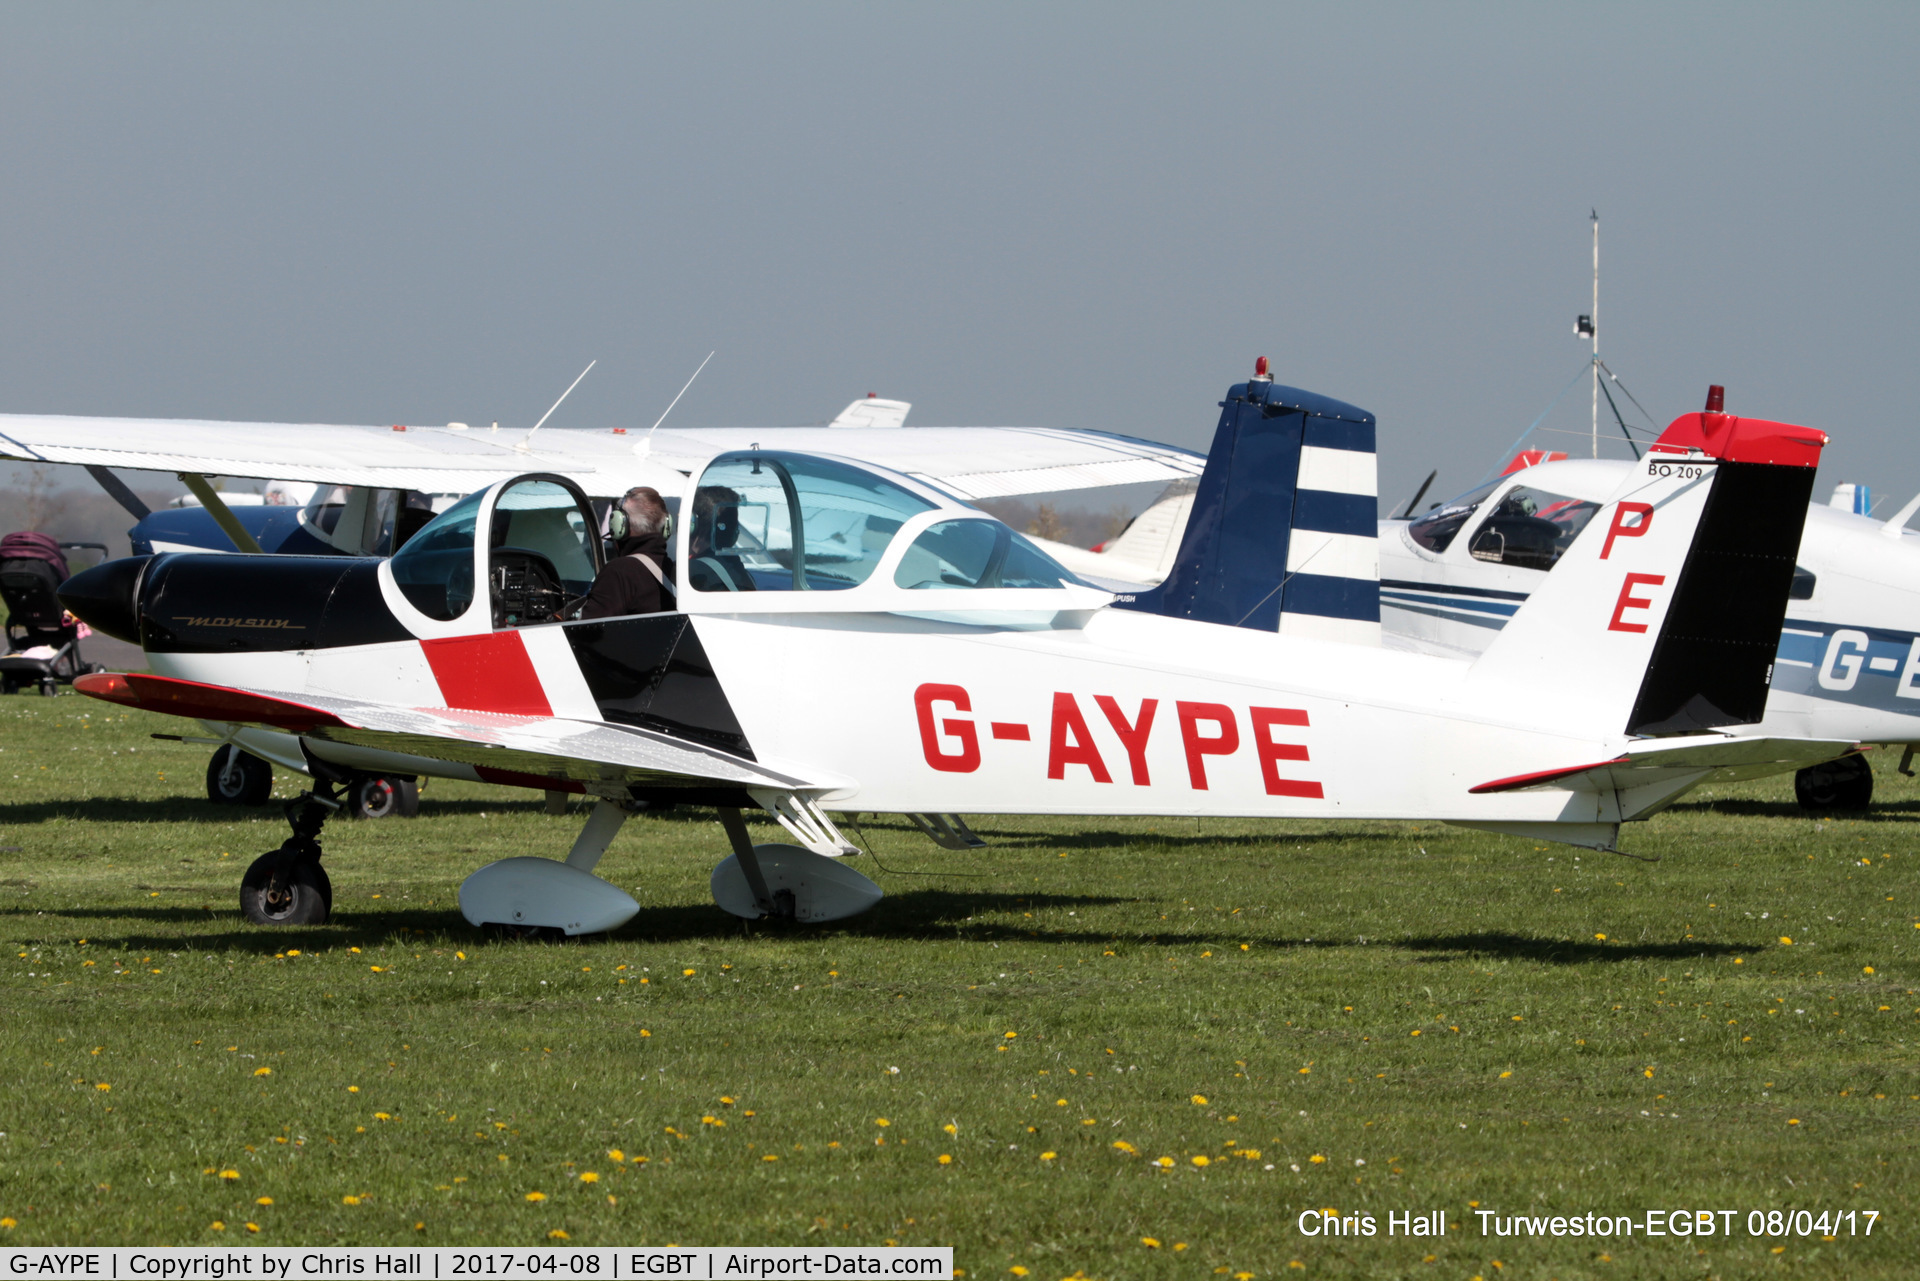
(855, 638)
(1848, 660)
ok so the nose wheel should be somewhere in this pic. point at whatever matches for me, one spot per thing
(288, 886)
(278, 890)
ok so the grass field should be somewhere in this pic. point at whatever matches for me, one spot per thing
(1124, 1048)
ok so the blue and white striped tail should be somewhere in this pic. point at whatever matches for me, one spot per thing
(1283, 531)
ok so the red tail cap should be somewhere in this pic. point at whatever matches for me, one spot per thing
(1742, 440)
(1716, 398)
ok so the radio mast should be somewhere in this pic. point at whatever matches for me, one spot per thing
(1588, 327)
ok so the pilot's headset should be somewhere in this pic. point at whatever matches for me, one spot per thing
(618, 525)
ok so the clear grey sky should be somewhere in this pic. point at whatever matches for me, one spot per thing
(1061, 215)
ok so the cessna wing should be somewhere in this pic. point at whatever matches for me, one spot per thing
(971, 462)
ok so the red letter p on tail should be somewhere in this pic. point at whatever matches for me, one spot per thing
(1620, 528)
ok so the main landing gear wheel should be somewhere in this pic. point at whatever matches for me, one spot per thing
(383, 796)
(283, 889)
(799, 886)
(1845, 784)
(235, 777)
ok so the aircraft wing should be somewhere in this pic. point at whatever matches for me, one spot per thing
(520, 749)
(973, 462)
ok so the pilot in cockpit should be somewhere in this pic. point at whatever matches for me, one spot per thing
(638, 578)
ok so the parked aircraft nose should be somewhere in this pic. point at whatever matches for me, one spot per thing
(105, 597)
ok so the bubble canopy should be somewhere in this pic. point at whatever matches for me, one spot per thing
(769, 531)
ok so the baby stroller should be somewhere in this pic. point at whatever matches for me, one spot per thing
(43, 640)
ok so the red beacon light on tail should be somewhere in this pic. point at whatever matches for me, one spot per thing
(1260, 374)
(1740, 440)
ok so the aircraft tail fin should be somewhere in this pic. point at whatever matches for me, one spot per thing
(1664, 615)
(1283, 531)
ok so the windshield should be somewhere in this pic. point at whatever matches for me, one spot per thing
(976, 553)
(1435, 530)
(435, 569)
(752, 511)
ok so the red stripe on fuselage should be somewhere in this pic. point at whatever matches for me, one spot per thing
(487, 673)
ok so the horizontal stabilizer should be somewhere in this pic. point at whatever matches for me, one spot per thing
(1648, 774)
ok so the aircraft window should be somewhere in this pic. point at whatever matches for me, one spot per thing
(976, 553)
(1803, 584)
(1530, 528)
(751, 510)
(1435, 530)
(539, 553)
(435, 569)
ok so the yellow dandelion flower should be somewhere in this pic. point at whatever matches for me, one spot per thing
(686, 974)
(1866, 969)
(1415, 1032)
(1164, 1162)
(1601, 937)
(1124, 1146)
(881, 1121)
(218, 1226)
(945, 1158)
(353, 1089)
(349, 1200)
(253, 1227)
(459, 956)
(102, 1085)
(1202, 1162)
(769, 1157)
(1017, 1270)
(1179, 1245)
(383, 1116)
(950, 1128)
(9, 1223)
(536, 1197)
(263, 1071)
(616, 1155)
(590, 1177)
(293, 951)
(558, 1234)
(1048, 1156)
(1317, 1159)
(1152, 1243)
(644, 1032)
(1010, 1035)
(1785, 941)
(1793, 1121)
(229, 1175)
(1200, 1100)
(263, 1200)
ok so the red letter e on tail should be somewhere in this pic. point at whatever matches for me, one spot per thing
(1629, 601)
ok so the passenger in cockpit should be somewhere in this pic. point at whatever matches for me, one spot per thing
(639, 577)
(714, 564)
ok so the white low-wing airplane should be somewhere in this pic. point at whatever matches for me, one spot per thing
(855, 639)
